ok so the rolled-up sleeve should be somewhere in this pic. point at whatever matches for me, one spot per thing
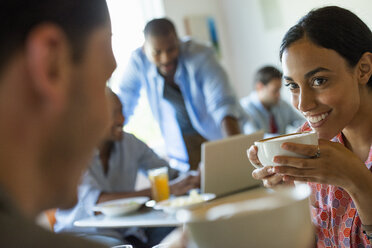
(219, 95)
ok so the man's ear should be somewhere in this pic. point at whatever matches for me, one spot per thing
(147, 50)
(365, 68)
(259, 86)
(48, 59)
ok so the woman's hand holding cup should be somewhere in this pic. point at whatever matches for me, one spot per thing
(262, 154)
(264, 173)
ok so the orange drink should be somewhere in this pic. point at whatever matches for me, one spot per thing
(159, 183)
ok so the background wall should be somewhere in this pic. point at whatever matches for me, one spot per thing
(250, 31)
(177, 10)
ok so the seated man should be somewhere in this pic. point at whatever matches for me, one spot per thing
(267, 110)
(112, 175)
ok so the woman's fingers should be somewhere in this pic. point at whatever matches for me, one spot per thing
(294, 172)
(272, 181)
(253, 158)
(299, 179)
(268, 177)
(262, 173)
(302, 149)
(293, 161)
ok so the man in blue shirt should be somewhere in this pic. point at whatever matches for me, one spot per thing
(187, 89)
(267, 110)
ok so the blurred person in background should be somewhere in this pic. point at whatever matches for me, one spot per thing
(267, 110)
(112, 175)
(188, 91)
(55, 60)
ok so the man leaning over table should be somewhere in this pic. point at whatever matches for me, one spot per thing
(188, 91)
(112, 175)
(55, 59)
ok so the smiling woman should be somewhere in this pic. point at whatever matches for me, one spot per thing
(327, 66)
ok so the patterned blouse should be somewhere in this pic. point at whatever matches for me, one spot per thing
(334, 213)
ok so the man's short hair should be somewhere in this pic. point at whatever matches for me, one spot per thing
(266, 74)
(159, 27)
(77, 18)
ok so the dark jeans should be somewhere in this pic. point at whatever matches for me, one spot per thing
(154, 234)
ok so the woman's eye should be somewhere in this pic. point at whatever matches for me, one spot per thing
(319, 81)
(291, 86)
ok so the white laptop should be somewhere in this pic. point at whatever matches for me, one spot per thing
(225, 167)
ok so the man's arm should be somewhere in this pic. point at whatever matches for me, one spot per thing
(145, 158)
(113, 196)
(220, 98)
(179, 186)
(230, 126)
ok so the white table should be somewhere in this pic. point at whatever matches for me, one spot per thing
(145, 217)
(148, 217)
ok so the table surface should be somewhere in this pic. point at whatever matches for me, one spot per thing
(148, 217)
(145, 217)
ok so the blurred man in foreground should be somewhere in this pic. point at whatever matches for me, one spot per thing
(55, 59)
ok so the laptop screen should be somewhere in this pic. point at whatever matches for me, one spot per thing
(225, 167)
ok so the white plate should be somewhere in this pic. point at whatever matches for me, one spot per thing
(173, 204)
(121, 206)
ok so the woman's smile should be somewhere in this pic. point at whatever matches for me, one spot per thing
(317, 120)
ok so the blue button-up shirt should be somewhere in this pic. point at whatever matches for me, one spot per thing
(286, 117)
(204, 85)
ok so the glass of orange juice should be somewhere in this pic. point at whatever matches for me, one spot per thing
(159, 183)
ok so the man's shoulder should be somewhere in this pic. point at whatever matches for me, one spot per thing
(138, 52)
(18, 232)
(130, 141)
(138, 56)
(194, 50)
(284, 104)
(190, 44)
(129, 138)
(249, 102)
(245, 100)
(285, 107)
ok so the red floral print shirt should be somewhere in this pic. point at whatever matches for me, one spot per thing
(334, 213)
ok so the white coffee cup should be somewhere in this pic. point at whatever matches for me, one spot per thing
(271, 147)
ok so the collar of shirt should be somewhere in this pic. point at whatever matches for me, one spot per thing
(256, 101)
